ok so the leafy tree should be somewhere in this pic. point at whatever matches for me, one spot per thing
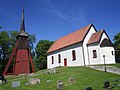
(117, 46)
(4, 45)
(31, 41)
(41, 49)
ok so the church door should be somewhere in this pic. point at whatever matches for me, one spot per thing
(65, 62)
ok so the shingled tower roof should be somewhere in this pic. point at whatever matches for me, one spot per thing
(22, 27)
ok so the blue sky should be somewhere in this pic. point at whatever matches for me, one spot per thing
(52, 19)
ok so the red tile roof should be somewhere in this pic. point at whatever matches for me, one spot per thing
(95, 37)
(69, 39)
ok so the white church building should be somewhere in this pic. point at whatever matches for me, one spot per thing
(86, 46)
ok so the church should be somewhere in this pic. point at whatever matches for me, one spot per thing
(86, 46)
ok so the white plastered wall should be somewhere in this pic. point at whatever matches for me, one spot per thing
(107, 51)
(92, 60)
(109, 58)
(91, 31)
(66, 53)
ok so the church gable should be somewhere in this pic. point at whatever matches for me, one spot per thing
(104, 36)
(98, 37)
(106, 43)
(95, 37)
(105, 40)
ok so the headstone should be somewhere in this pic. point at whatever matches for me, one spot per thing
(48, 80)
(33, 81)
(54, 71)
(31, 74)
(51, 71)
(106, 84)
(16, 84)
(88, 88)
(0, 82)
(57, 71)
(60, 85)
(27, 83)
(45, 72)
(71, 80)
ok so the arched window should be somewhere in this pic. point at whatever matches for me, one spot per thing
(52, 60)
(112, 52)
(59, 58)
(94, 54)
(73, 55)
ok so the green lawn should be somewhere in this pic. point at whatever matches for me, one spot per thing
(116, 65)
(83, 77)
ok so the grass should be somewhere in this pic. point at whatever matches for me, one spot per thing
(83, 77)
(116, 65)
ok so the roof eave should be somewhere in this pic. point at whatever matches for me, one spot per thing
(62, 47)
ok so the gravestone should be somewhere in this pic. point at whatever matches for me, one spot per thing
(106, 84)
(57, 71)
(88, 88)
(33, 81)
(48, 80)
(15, 83)
(0, 82)
(51, 71)
(54, 71)
(70, 80)
(60, 85)
(27, 83)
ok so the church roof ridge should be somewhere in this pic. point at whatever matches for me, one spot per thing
(70, 39)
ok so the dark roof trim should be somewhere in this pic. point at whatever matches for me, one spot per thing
(106, 35)
(103, 31)
(106, 43)
(88, 31)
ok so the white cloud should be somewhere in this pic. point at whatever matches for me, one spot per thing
(67, 13)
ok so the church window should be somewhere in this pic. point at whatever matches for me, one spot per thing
(94, 54)
(112, 52)
(59, 58)
(52, 60)
(73, 55)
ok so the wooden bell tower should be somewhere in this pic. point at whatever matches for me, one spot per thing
(20, 58)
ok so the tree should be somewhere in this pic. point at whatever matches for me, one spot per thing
(5, 49)
(4, 45)
(117, 46)
(31, 41)
(41, 51)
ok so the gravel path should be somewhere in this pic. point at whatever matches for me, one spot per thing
(110, 69)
